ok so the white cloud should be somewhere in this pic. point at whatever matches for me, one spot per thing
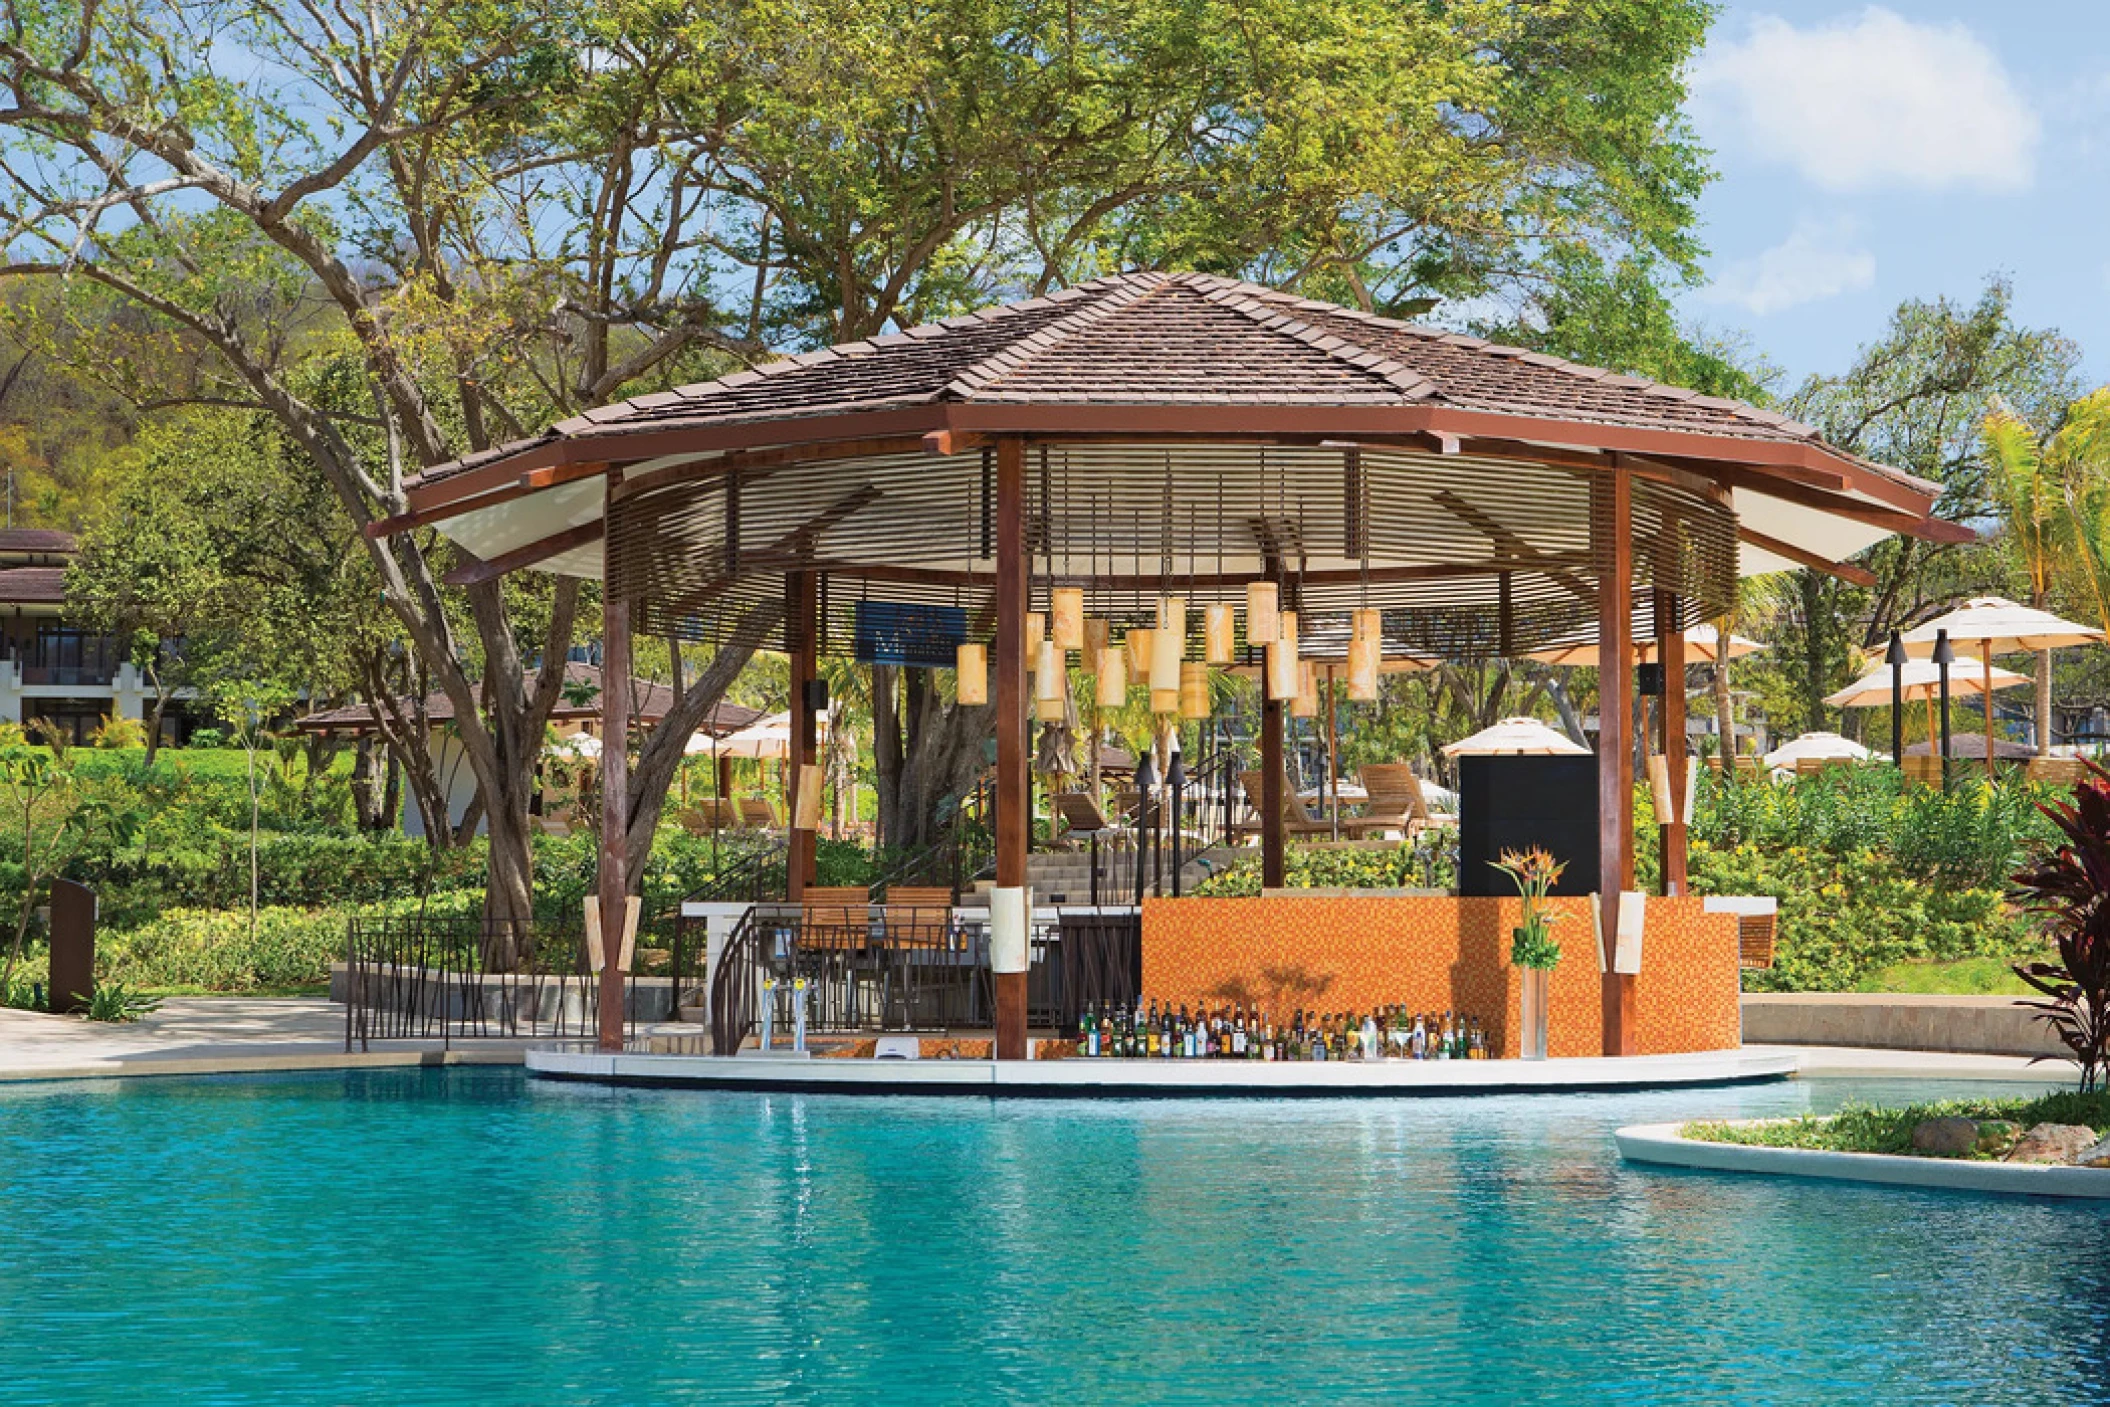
(1819, 259)
(1871, 101)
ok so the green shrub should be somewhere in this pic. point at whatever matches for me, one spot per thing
(1846, 915)
(212, 950)
(1862, 1129)
(1426, 863)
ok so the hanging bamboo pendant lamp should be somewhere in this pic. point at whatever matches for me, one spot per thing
(1219, 634)
(1113, 678)
(1167, 644)
(1138, 646)
(1036, 627)
(1048, 677)
(1164, 701)
(1369, 624)
(1363, 655)
(1306, 703)
(1194, 690)
(1263, 616)
(1096, 634)
(1066, 617)
(972, 662)
(1049, 710)
(1282, 659)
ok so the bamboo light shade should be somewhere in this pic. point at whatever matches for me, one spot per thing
(1219, 634)
(1096, 635)
(972, 661)
(1368, 624)
(1113, 678)
(1167, 643)
(1263, 615)
(1363, 654)
(1049, 710)
(1036, 626)
(806, 804)
(1048, 672)
(1282, 658)
(1138, 647)
(1194, 690)
(1306, 703)
(1164, 701)
(1066, 617)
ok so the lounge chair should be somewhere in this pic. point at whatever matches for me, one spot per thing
(1297, 821)
(1395, 798)
(757, 814)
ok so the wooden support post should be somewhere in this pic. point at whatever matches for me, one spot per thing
(801, 620)
(1612, 548)
(615, 811)
(1670, 640)
(1011, 798)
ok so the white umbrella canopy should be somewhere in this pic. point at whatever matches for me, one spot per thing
(1817, 747)
(2000, 627)
(583, 745)
(1922, 678)
(766, 738)
(1516, 736)
(1701, 647)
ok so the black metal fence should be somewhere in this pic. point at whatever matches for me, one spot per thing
(426, 978)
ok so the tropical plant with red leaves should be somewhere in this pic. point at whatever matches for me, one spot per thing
(2070, 887)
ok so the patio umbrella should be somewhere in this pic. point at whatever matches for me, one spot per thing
(1700, 648)
(1816, 747)
(1998, 626)
(1514, 736)
(581, 745)
(1967, 676)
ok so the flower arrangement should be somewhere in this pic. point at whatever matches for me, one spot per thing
(1534, 872)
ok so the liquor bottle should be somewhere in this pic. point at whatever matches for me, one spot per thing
(1373, 1049)
(1478, 1047)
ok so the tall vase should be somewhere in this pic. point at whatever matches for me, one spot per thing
(1536, 981)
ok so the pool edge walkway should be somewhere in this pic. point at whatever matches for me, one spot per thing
(236, 1035)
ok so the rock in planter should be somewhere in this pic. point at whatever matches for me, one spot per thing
(1945, 1138)
(2096, 1157)
(1996, 1136)
(2053, 1143)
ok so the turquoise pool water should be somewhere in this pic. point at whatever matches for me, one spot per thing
(466, 1236)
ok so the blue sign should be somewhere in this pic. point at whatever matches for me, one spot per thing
(913, 634)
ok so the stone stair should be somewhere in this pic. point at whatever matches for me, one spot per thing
(1061, 877)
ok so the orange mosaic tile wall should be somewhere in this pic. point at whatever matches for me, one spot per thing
(1429, 953)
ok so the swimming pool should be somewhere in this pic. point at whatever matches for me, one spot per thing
(465, 1236)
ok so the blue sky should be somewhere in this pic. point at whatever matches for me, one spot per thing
(1871, 153)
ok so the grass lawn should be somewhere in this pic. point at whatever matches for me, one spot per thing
(1965, 977)
(1858, 1129)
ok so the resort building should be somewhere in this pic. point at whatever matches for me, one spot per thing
(50, 667)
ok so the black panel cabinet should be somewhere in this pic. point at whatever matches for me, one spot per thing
(1514, 803)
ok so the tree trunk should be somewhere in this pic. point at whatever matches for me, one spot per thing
(886, 753)
(1814, 653)
(927, 752)
(2043, 703)
(1724, 709)
(366, 785)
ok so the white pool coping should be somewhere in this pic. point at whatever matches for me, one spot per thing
(1664, 1145)
(1160, 1078)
